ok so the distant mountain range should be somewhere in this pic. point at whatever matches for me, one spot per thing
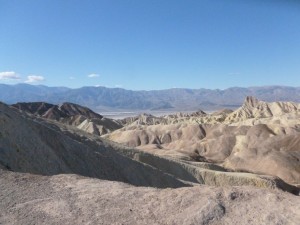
(118, 99)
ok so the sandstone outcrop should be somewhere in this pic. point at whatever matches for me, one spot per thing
(259, 137)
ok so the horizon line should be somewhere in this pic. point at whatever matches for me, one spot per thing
(173, 88)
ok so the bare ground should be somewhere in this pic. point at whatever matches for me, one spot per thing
(72, 199)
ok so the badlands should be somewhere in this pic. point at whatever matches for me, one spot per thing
(65, 164)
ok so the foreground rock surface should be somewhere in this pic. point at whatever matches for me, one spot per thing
(71, 199)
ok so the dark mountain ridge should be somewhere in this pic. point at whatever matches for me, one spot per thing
(56, 112)
(114, 99)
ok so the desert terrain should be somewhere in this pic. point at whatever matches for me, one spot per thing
(66, 164)
(130, 112)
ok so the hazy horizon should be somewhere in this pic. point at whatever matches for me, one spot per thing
(99, 86)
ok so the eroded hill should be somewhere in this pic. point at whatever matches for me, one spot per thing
(53, 171)
(259, 137)
(71, 114)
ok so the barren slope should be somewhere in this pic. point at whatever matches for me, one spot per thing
(259, 137)
(32, 145)
(41, 147)
(71, 199)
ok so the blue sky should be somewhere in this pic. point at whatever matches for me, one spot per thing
(150, 44)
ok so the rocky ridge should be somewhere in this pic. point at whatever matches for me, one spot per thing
(252, 139)
(206, 169)
(71, 114)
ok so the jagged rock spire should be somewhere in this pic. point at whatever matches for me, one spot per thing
(251, 101)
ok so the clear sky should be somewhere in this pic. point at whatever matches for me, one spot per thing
(150, 44)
